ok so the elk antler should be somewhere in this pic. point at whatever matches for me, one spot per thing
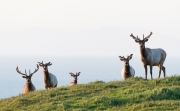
(20, 72)
(72, 74)
(147, 36)
(78, 73)
(130, 56)
(49, 64)
(121, 58)
(41, 63)
(135, 38)
(34, 71)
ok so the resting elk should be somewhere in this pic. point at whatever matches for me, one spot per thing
(50, 80)
(74, 77)
(151, 57)
(127, 70)
(28, 87)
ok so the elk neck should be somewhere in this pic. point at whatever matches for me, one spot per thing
(143, 52)
(29, 85)
(46, 75)
(127, 70)
(75, 81)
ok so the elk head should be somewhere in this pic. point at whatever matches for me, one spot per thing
(27, 77)
(44, 66)
(126, 60)
(141, 42)
(75, 75)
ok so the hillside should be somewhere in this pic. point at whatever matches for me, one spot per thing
(132, 94)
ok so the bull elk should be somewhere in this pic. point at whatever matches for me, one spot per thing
(74, 77)
(28, 87)
(50, 80)
(151, 57)
(127, 70)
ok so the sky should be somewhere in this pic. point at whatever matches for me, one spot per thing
(87, 27)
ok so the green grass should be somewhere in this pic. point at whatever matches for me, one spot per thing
(131, 95)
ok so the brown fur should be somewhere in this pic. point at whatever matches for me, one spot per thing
(28, 87)
(75, 78)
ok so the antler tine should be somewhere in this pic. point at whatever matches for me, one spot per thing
(148, 35)
(143, 36)
(130, 56)
(34, 71)
(121, 57)
(19, 71)
(135, 38)
(41, 63)
(71, 73)
(49, 63)
(78, 73)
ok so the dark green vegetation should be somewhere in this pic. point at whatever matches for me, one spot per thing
(132, 94)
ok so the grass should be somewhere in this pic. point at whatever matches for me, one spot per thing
(131, 95)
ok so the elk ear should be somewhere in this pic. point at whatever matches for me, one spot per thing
(23, 76)
(145, 40)
(137, 41)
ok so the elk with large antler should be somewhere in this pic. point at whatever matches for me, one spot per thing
(127, 70)
(74, 77)
(50, 80)
(28, 87)
(151, 57)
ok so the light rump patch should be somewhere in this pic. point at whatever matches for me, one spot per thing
(151, 57)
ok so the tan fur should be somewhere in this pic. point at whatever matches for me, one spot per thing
(28, 87)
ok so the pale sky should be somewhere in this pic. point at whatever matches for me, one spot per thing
(87, 27)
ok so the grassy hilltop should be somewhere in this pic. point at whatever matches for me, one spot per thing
(132, 94)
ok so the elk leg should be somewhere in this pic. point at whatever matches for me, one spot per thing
(151, 71)
(160, 67)
(164, 71)
(145, 67)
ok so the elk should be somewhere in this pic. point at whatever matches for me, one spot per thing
(74, 77)
(127, 70)
(151, 57)
(50, 80)
(28, 87)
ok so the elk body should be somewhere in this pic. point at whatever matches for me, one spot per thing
(151, 57)
(127, 70)
(50, 80)
(74, 77)
(28, 87)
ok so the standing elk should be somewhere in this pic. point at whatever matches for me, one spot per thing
(50, 80)
(74, 77)
(151, 57)
(127, 70)
(28, 87)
